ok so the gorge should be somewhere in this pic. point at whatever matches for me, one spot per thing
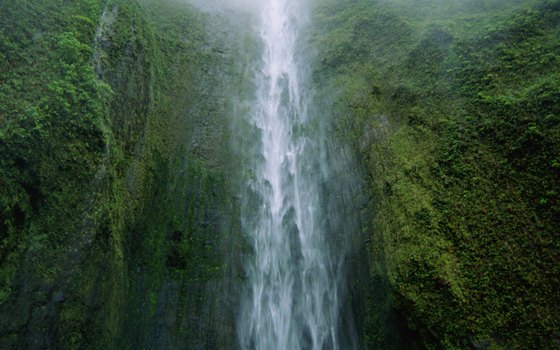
(279, 174)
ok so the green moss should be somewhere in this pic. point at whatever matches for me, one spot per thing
(101, 144)
(116, 179)
(454, 116)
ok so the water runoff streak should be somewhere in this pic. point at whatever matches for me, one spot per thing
(292, 300)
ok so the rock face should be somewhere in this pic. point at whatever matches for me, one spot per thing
(113, 234)
(454, 125)
(119, 173)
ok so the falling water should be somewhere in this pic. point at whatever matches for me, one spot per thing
(293, 295)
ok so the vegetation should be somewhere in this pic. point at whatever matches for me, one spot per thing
(453, 107)
(111, 191)
(118, 218)
(53, 142)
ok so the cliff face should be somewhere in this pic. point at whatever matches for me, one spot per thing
(116, 176)
(453, 108)
(118, 186)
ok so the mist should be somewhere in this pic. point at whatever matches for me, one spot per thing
(243, 6)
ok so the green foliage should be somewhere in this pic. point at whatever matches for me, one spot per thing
(97, 122)
(458, 126)
(111, 182)
(54, 151)
(50, 100)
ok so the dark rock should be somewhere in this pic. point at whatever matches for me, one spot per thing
(58, 297)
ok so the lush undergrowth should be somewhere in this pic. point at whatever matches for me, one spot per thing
(117, 213)
(113, 194)
(54, 146)
(453, 107)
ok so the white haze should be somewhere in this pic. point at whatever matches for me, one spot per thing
(294, 288)
(243, 6)
(294, 293)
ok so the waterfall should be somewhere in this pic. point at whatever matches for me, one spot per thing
(293, 296)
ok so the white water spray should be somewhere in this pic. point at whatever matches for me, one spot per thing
(293, 297)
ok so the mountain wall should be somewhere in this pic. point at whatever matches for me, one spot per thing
(452, 107)
(120, 145)
(116, 177)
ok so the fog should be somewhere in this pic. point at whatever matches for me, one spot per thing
(244, 6)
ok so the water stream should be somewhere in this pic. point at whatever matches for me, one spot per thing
(293, 298)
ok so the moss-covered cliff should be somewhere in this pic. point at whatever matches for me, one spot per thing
(116, 193)
(118, 189)
(453, 107)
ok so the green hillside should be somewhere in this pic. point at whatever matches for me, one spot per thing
(454, 109)
(113, 196)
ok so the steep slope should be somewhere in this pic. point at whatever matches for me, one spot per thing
(114, 197)
(118, 189)
(453, 107)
